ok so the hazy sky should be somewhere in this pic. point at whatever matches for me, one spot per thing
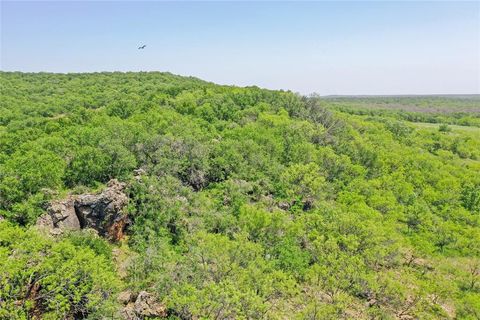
(323, 47)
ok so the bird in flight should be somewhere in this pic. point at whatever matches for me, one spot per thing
(142, 47)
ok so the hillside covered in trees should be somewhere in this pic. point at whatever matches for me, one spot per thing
(238, 203)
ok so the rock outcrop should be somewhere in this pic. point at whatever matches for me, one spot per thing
(102, 212)
(142, 306)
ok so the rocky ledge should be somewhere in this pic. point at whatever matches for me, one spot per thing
(142, 306)
(103, 212)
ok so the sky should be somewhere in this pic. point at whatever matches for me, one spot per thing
(328, 48)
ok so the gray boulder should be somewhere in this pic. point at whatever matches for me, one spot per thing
(144, 306)
(103, 212)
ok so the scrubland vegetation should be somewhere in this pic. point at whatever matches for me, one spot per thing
(252, 204)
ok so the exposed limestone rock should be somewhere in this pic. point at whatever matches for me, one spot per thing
(145, 305)
(139, 173)
(284, 205)
(128, 313)
(61, 214)
(125, 297)
(102, 212)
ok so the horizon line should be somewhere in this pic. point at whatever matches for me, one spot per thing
(347, 95)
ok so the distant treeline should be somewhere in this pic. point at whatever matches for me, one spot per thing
(252, 203)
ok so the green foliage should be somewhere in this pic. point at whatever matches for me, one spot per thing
(471, 197)
(444, 128)
(57, 279)
(251, 203)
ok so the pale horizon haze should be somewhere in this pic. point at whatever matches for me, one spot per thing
(329, 48)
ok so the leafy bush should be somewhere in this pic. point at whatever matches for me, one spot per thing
(52, 279)
(250, 203)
